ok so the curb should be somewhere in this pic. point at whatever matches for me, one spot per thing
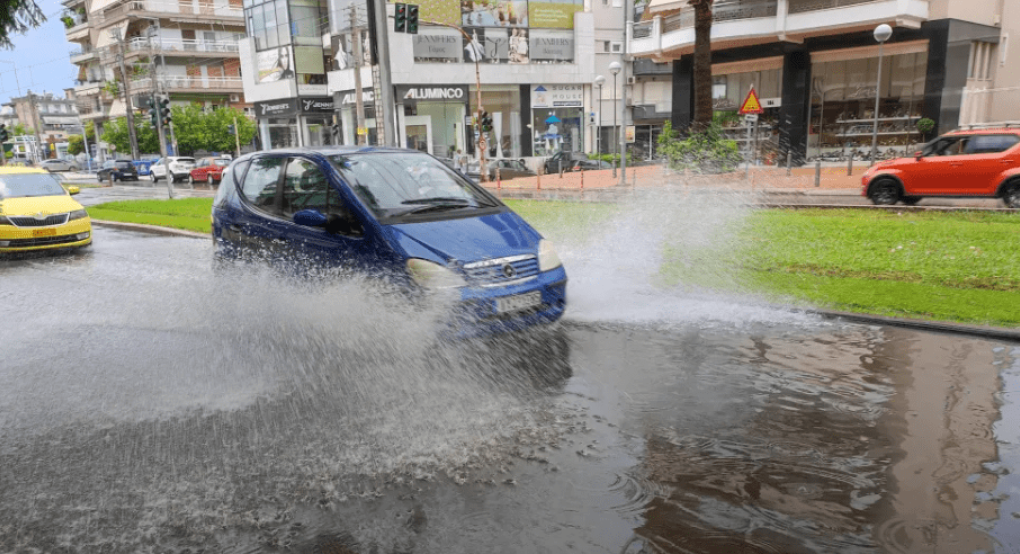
(886, 208)
(984, 332)
(151, 229)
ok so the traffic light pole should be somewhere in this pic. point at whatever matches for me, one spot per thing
(385, 103)
(359, 105)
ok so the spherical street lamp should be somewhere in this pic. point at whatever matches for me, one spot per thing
(614, 68)
(882, 33)
(599, 81)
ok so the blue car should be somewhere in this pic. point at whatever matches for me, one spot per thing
(401, 215)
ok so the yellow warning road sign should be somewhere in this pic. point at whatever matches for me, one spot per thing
(751, 105)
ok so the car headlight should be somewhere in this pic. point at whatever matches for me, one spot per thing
(77, 214)
(432, 275)
(547, 256)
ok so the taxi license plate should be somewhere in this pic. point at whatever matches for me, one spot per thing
(44, 232)
(518, 302)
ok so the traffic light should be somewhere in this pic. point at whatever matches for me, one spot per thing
(486, 122)
(412, 19)
(3, 133)
(230, 129)
(164, 111)
(400, 19)
(153, 113)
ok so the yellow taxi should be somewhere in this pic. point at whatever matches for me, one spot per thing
(36, 213)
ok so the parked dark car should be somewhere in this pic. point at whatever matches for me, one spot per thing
(117, 170)
(399, 215)
(509, 169)
(570, 161)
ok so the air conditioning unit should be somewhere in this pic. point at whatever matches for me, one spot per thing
(631, 80)
(235, 98)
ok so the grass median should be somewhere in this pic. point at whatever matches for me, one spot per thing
(960, 266)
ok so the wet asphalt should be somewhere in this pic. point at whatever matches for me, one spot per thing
(150, 404)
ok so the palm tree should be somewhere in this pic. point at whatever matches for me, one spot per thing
(702, 64)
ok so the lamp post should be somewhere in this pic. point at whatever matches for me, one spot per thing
(599, 81)
(882, 34)
(614, 68)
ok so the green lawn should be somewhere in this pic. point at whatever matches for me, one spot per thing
(191, 214)
(962, 266)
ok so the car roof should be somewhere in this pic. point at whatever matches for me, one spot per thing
(21, 170)
(985, 131)
(333, 150)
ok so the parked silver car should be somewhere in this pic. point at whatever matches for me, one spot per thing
(59, 165)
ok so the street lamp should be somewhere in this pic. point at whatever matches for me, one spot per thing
(882, 34)
(599, 81)
(614, 68)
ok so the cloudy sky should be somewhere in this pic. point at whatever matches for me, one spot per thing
(41, 56)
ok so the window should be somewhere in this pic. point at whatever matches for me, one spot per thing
(306, 188)
(617, 47)
(260, 184)
(990, 144)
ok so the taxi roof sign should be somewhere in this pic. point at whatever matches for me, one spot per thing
(751, 105)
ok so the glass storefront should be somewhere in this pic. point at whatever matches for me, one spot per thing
(446, 122)
(318, 128)
(283, 132)
(843, 105)
(728, 94)
(504, 105)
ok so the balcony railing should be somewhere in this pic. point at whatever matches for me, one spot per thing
(79, 55)
(184, 7)
(192, 83)
(723, 10)
(182, 45)
(801, 6)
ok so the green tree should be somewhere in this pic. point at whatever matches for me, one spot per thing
(18, 16)
(705, 151)
(197, 129)
(75, 144)
(116, 133)
(20, 129)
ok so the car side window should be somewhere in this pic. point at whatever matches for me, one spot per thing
(306, 187)
(260, 184)
(990, 144)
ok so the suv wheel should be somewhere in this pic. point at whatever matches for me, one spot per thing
(1012, 195)
(885, 192)
(152, 177)
(191, 180)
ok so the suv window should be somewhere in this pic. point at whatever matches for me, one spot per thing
(260, 183)
(305, 187)
(990, 144)
(124, 165)
(946, 146)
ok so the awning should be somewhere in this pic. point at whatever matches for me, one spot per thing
(60, 120)
(106, 35)
(656, 6)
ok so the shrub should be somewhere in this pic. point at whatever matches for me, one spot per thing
(702, 152)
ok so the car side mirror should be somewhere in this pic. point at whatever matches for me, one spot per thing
(918, 155)
(73, 190)
(310, 218)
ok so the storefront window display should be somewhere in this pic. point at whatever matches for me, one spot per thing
(843, 104)
(504, 105)
(730, 89)
(557, 117)
(282, 132)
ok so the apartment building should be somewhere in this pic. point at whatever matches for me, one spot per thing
(184, 49)
(536, 60)
(814, 64)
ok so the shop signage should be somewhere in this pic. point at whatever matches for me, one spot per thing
(552, 48)
(437, 47)
(312, 90)
(348, 98)
(316, 105)
(277, 108)
(557, 96)
(630, 133)
(413, 94)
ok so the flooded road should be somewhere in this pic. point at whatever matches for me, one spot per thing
(146, 406)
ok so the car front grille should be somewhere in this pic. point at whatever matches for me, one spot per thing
(42, 241)
(501, 271)
(29, 221)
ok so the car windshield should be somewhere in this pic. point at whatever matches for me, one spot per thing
(185, 160)
(404, 184)
(29, 184)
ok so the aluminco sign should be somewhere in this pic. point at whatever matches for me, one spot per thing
(434, 93)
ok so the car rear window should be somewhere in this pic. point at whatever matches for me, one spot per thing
(186, 160)
(125, 165)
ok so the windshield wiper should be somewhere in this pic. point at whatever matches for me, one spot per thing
(438, 200)
(434, 208)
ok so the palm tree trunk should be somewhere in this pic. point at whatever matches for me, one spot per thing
(702, 64)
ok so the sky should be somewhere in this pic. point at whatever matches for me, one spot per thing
(42, 58)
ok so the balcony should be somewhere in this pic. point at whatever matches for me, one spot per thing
(645, 66)
(184, 47)
(80, 30)
(82, 55)
(179, 83)
(747, 22)
(199, 11)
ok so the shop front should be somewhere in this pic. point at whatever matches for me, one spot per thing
(731, 84)
(557, 119)
(294, 122)
(433, 118)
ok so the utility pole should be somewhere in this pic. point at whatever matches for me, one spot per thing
(628, 11)
(127, 94)
(359, 102)
(37, 125)
(237, 137)
(155, 107)
(384, 103)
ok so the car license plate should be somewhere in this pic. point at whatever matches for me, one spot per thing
(44, 232)
(518, 302)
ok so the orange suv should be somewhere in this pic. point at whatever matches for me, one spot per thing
(978, 163)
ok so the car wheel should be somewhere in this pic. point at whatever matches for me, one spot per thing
(885, 192)
(153, 178)
(209, 179)
(191, 180)
(911, 200)
(1012, 195)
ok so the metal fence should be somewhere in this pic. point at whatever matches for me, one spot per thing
(801, 6)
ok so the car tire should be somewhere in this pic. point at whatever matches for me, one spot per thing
(191, 180)
(911, 200)
(885, 192)
(209, 179)
(153, 178)
(1011, 196)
